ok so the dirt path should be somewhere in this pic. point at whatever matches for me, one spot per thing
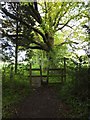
(42, 103)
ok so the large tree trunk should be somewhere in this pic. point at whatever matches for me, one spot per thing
(49, 41)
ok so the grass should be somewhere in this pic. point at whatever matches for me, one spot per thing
(74, 92)
(13, 92)
(79, 109)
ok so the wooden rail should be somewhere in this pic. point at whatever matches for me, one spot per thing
(61, 73)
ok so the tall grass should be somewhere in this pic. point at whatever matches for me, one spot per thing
(14, 89)
(75, 92)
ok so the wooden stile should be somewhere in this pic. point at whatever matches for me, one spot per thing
(40, 78)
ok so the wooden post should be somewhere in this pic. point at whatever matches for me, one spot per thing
(41, 73)
(62, 75)
(47, 75)
(64, 68)
(30, 74)
(11, 73)
(89, 73)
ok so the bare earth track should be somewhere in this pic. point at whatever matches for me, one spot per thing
(42, 103)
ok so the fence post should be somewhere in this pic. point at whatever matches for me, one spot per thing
(30, 73)
(47, 75)
(41, 73)
(62, 75)
(64, 68)
(88, 74)
(11, 73)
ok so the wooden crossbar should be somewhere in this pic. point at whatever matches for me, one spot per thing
(35, 69)
(56, 69)
(61, 72)
(46, 75)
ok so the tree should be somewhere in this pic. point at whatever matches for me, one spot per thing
(15, 31)
(49, 18)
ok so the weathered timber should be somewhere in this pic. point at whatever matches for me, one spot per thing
(30, 74)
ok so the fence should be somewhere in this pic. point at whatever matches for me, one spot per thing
(50, 72)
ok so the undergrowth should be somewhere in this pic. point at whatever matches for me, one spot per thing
(13, 92)
(74, 92)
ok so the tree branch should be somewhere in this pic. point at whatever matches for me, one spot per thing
(40, 45)
(23, 22)
(57, 15)
(59, 20)
(35, 5)
(66, 42)
(64, 25)
(35, 14)
(36, 47)
(68, 22)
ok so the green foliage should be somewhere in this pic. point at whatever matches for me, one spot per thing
(75, 93)
(13, 90)
(46, 21)
(37, 29)
(56, 56)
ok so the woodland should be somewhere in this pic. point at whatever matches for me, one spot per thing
(51, 40)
